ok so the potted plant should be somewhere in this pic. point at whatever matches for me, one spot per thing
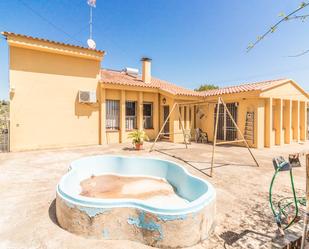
(138, 138)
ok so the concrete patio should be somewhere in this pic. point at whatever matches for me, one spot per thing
(244, 220)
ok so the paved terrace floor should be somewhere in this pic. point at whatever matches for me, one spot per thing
(28, 181)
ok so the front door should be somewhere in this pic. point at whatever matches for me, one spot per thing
(166, 111)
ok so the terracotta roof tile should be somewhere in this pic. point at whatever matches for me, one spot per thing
(257, 86)
(122, 78)
(5, 33)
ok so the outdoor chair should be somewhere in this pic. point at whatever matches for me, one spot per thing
(200, 136)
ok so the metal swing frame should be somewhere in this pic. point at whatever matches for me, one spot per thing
(219, 102)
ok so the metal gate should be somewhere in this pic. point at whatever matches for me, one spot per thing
(227, 131)
(4, 134)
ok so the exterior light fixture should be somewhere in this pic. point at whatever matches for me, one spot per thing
(164, 101)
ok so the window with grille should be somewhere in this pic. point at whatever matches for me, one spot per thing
(112, 114)
(131, 115)
(147, 115)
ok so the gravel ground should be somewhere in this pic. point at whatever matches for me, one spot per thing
(244, 220)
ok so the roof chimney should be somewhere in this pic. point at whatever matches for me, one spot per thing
(146, 71)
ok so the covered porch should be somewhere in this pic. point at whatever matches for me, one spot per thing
(285, 121)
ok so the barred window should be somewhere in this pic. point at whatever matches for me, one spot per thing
(131, 115)
(112, 114)
(147, 116)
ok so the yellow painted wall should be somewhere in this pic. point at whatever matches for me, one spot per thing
(113, 94)
(288, 90)
(44, 109)
(244, 106)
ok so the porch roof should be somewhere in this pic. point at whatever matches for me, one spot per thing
(256, 86)
(122, 78)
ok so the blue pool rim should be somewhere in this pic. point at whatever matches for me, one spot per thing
(96, 203)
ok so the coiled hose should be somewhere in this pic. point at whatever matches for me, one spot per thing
(284, 205)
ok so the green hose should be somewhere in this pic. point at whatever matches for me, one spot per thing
(281, 209)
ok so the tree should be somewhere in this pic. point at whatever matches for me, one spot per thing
(206, 87)
(291, 16)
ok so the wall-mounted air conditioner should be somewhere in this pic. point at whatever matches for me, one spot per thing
(87, 97)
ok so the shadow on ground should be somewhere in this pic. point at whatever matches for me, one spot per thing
(52, 213)
(231, 237)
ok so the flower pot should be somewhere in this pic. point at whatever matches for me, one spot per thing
(138, 146)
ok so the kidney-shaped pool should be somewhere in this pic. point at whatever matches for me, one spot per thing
(153, 201)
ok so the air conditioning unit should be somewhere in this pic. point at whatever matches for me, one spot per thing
(87, 97)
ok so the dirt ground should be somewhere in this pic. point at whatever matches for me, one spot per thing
(28, 181)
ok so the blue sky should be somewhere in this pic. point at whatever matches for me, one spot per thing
(190, 42)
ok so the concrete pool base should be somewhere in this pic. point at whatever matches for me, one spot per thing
(164, 231)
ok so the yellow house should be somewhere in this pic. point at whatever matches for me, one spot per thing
(269, 113)
(60, 96)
